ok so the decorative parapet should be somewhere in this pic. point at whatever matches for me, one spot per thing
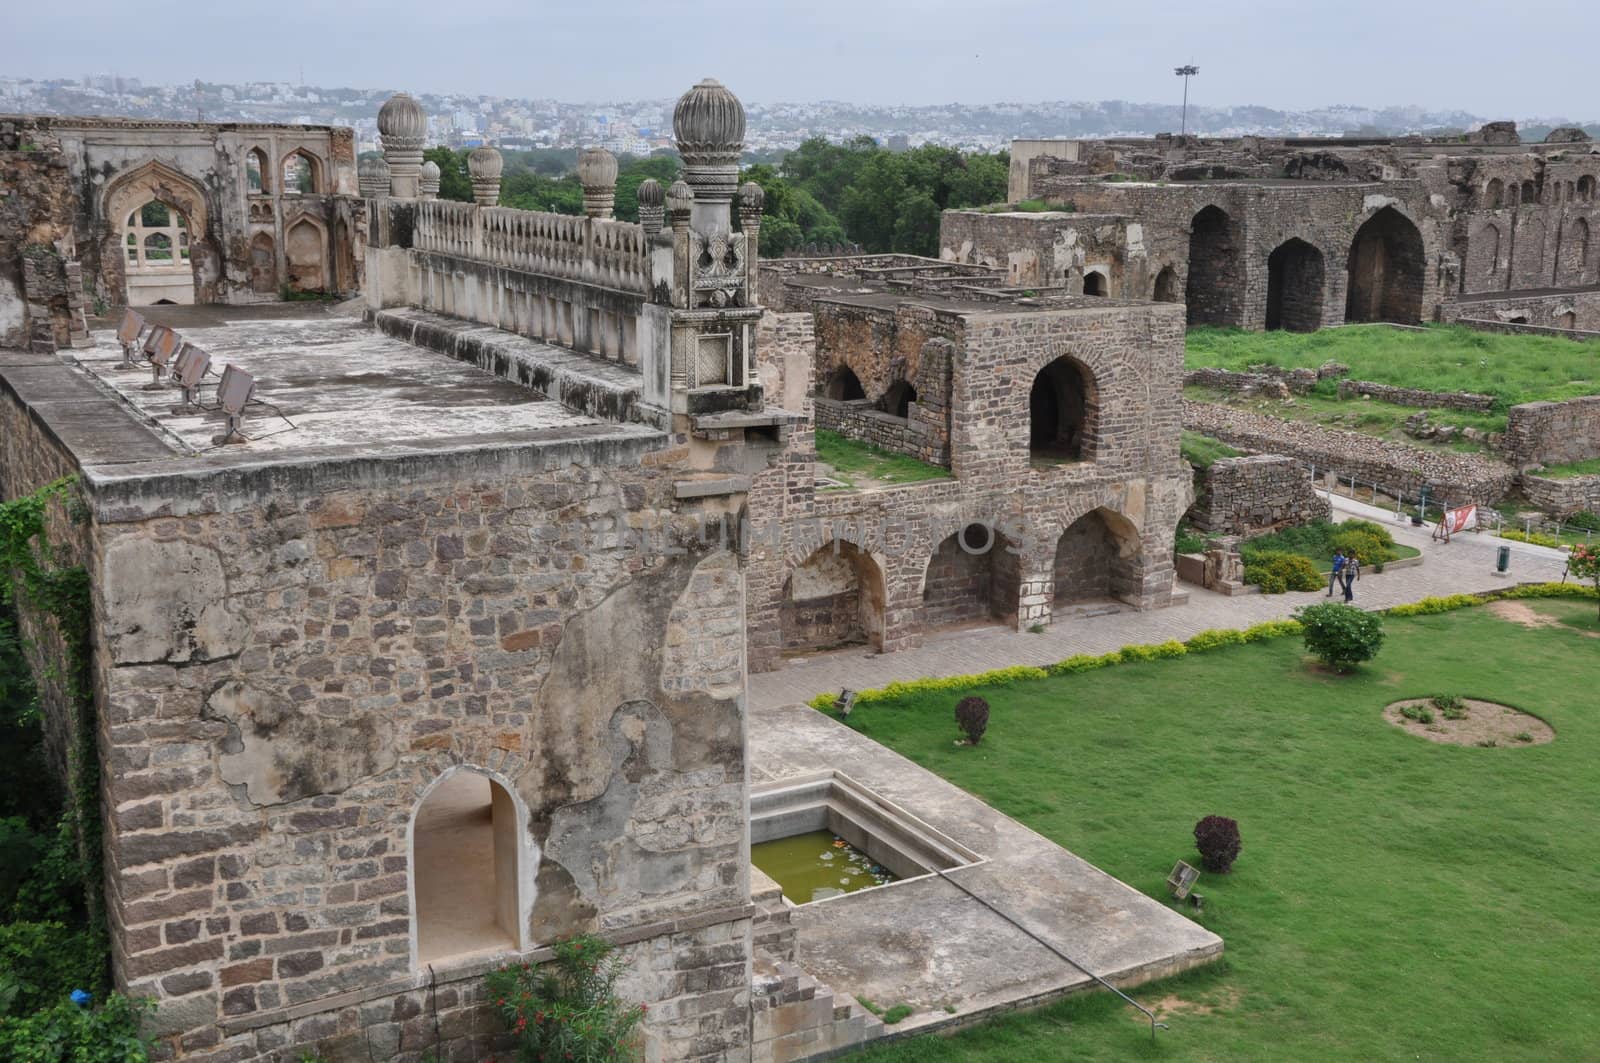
(609, 254)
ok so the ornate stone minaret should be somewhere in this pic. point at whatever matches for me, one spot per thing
(373, 178)
(428, 180)
(483, 167)
(652, 208)
(597, 172)
(402, 126)
(709, 125)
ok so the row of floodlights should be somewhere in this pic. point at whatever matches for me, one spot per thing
(175, 362)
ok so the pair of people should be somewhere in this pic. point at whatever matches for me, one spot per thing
(1346, 570)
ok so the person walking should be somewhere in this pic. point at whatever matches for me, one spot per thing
(1338, 569)
(1352, 572)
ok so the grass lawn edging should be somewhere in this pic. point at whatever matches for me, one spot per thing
(1210, 639)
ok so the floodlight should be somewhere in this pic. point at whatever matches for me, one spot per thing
(159, 349)
(129, 333)
(189, 372)
(233, 395)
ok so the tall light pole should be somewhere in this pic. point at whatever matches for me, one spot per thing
(1186, 72)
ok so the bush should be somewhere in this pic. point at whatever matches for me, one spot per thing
(68, 1033)
(1341, 635)
(568, 1009)
(1450, 706)
(41, 962)
(1431, 606)
(1276, 572)
(1583, 520)
(1271, 629)
(1535, 538)
(1217, 838)
(1368, 548)
(1214, 637)
(972, 715)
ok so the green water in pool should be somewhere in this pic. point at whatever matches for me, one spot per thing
(818, 865)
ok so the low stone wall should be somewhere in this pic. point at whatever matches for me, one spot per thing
(1298, 381)
(858, 419)
(1553, 433)
(1450, 476)
(1562, 497)
(1241, 496)
(1518, 328)
(1571, 312)
(1437, 400)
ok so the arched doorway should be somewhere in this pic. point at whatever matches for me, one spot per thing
(835, 598)
(844, 385)
(159, 261)
(1097, 557)
(467, 869)
(1061, 411)
(973, 575)
(1295, 280)
(1494, 194)
(1575, 253)
(256, 172)
(304, 245)
(263, 264)
(1385, 271)
(1166, 286)
(1094, 283)
(131, 191)
(896, 402)
(1214, 292)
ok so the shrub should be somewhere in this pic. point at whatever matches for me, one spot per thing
(1583, 520)
(1585, 564)
(1082, 662)
(1368, 548)
(568, 1009)
(1188, 541)
(1276, 572)
(972, 715)
(1211, 638)
(1430, 606)
(1450, 706)
(41, 962)
(1419, 713)
(1536, 538)
(1271, 629)
(67, 1031)
(1342, 635)
(1217, 838)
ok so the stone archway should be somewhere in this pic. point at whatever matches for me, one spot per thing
(1166, 286)
(1295, 281)
(305, 251)
(1386, 270)
(1098, 556)
(1062, 413)
(974, 574)
(263, 264)
(834, 598)
(155, 181)
(468, 866)
(1215, 292)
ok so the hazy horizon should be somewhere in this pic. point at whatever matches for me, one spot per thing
(895, 53)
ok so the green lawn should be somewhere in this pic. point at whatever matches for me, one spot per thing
(1367, 416)
(1441, 358)
(1395, 899)
(1576, 468)
(862, 464)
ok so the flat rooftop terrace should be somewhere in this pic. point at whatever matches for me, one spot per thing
(337, 391)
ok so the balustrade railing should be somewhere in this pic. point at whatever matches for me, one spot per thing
(608, 254)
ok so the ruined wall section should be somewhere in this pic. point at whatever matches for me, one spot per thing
(1553, 433)
(36, 212)
(1263, 492)
(287, 672)
(1050, 249)
(1576, 311)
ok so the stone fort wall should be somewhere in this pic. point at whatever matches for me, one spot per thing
(1263, 492)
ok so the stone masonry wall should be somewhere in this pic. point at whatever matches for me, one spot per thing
(1553, 433)
(1562, 497)
(1452, 476)
(1241, 496)
(36, 210)
(1442, 400)
(341, 636)
(858, 419)
(1575, 309)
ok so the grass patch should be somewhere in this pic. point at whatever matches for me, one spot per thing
(1579, 615)
(1027, 206)
(1381, 879)
(1202, 451)
(1571, 469)
(1316, 541)
(863, 461)
(1367, 416)
(1440, 358)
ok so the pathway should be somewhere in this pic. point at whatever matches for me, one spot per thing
(1463, 566)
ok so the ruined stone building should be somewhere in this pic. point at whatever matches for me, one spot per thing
(1300, 233)
(146, 212)
(446, 657)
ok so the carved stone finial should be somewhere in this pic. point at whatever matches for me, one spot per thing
(428, 180)
(402, 125)
(597, 172)
(373, 177)
(483, 167)
(709, 125)
(752, 197)
(652, 209)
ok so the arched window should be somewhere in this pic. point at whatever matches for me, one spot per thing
(1166, 286)
(1529, 194)
(898, 399)
(1586, 187)
(1094, 283)
(255, 171)
(467, 869)
(844, 385)
(156, 238)
(300, 176)
(1060, 414)
(1494, 195)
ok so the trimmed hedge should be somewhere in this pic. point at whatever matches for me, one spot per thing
(1210, 639)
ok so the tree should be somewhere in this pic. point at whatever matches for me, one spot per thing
(1342, 635)
(453, 180)
(632, 172)
(1585, 564)
(791, 217)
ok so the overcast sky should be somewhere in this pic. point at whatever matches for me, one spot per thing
(1524, 58)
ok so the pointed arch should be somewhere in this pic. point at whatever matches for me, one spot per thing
(1494, 194)
(1575, 254)
(974, 574)
(1216, 273)
(1483, 259)
(305, 243)
(301, 173)
(1386, 270)
(1098, 556)
(263, 264)
(1165, 289)
(1062, 413)
(1295, 281)
(834, 598)
(257, 173)
(130, 191)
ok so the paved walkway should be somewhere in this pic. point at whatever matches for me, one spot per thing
(1463, 566)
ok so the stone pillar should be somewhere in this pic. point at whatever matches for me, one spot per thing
(597, 172)
(402, 125)
(680, 209)
(428, 184)
(483, 167)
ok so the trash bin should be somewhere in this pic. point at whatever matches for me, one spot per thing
(1502, 559)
